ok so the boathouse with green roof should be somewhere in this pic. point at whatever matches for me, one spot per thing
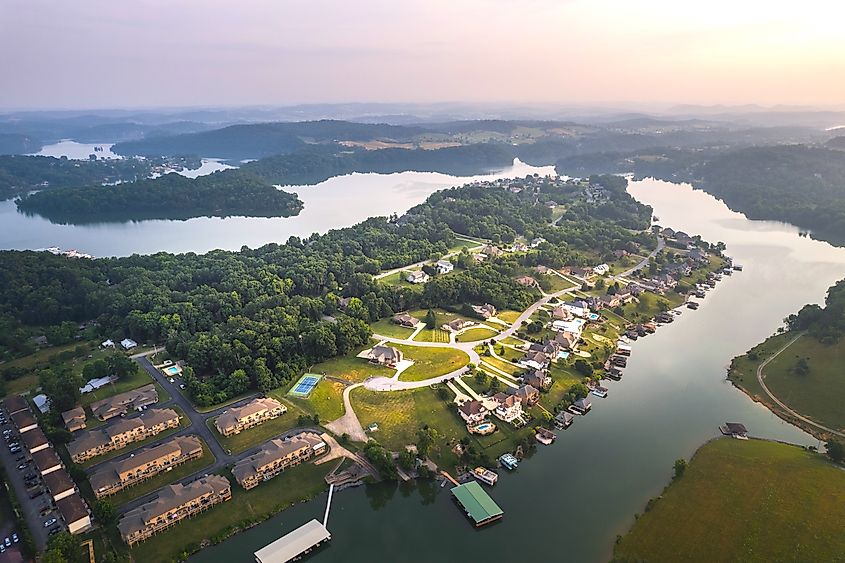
(477, 503)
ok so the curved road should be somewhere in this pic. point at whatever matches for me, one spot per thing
(760, 380)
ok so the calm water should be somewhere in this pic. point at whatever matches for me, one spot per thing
(571, 499)
(77, 151)
(339, 202)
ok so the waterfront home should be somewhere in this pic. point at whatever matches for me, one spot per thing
(237, 419)
(535, 360)
(509, 407)
(444, 266)
(120, 404)
(406, 320)
(582, 406)
(74, 419)
(173, 504)
(682, 237)
(548, 347)
(528, 394)
(417, 277)
(472, 412)
(385, 355)
(277, 455)
(668, 233)
(484, 311)
(564, 419)
(623, 349)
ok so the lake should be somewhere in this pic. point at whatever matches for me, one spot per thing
(571, 499)
(341, 201)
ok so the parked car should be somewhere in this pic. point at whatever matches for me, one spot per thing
(21, 467)
(15, 449)
(15, 538)
(8, 542)
(49, 522)
(53, 532)
(37, 493)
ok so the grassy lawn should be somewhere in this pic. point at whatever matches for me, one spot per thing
(387, 327)
(817, 395)
(42, 358)
(476, 334)
(294, 485)
(429, 335)
(504, 366)
(397, 279)
(351, 368)
(326, 400)
(557, 283)
(184, 422)
(508, 316)
(431, 362)
(138, 379)
(163, 479)
(745, 501)
(258, 434)
(562, 379)
(512, 341)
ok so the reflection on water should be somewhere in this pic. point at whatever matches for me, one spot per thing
(77, 151)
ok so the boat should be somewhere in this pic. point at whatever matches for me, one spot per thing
(485, 475)
(737, 267)
(509, 462)
(692, 305)
(599, 391)
(734, 429)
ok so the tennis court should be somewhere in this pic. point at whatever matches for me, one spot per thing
(305, 385)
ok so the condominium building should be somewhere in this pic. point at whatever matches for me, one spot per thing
(59, 484)
(275, 456)
(24, 421)
(114, 476)
(122, 403)
(238, 419)
(35, 440)
(46, 461)
(14, 403)
(121, 433)
(174, 504)
(75, 513)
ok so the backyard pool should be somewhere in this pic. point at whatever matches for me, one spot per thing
(172, 370)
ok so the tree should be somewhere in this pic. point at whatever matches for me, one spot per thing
(407, 460)
(836, 451)
(426, 437)
(802, 367)
(679, 467)
(583, 367)
(104, 512)
(430, 319)
(65, 548)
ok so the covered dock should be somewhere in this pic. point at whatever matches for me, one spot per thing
(294, 544)
(476, 503)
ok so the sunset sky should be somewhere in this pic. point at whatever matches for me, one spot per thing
(107, 53)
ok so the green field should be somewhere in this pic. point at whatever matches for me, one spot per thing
(163, 479)
(816, 395)
(258, 434)
(351, 368)
(184, 422)
(42, 358)
(504, 366)
(745, 501)
(476, 334)
(386, 327)
(326, 400)
(508, 316)
(429, 335)
(431, 362)
(294, 485)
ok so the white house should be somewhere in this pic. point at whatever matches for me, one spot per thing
(417, 276)
(601, 269)
(472, 412)
(107, 344)
(509, 409)
(444, 266)
(128, 343)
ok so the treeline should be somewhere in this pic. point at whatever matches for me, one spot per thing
(22, 174)
(171, 196)
(826, 324)
(257, 318)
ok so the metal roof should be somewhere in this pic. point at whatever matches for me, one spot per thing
(293, 544)
(476, 502)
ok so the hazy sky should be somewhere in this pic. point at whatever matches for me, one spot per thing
(122, 53)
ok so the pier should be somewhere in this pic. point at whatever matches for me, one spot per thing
(297, 543)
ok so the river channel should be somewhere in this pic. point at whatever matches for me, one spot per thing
(571, 499)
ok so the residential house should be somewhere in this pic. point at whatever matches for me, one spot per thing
(492, 251)
(535, 360)
(682, 237)
(74, 419)
(610, 301)
(549, 347)
(456, 325)
(75, 514)
(509, 407)
(406, 320)
(519, 247)
(484, 311)
(527, 394)
(537, 379)
(122, 403)
(562, 313)
(581, 272)
(118, 435)
(107, 343)
(237, 419)
(601, 269)
(527, 281)
(417, 277)
(668, 233)
(385, 355)
(697, 255)
(277, 455)
(472, 412)
(444, 266)
(567, 340)
(128, 343)
(582, 406)
(115, 476)
(173, 504)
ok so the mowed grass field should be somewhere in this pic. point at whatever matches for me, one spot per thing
(326, 400)
(386, 327)
(745, 501)
(351, 368)
(431, 362)
(476, 334)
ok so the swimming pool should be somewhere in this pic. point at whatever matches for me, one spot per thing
(172, 370)
(484, 426)
(563, 354)
(593, 316)
(305, 385)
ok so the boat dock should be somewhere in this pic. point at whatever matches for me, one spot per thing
(485, 475)
(297, 543)
(477, 504)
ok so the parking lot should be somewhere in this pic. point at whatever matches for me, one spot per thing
(25, 479)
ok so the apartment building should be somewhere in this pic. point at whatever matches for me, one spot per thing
(174, 504)
(119, 434)
(75, 513)
(122, 403)
(59, 484)
(275, 456)
(238, 419)
(114, 476)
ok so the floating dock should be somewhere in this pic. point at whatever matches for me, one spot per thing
(477, 504)
(297, 543)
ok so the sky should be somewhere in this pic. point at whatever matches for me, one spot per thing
(154, 53)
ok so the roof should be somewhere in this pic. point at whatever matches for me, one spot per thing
(109, 473)
(34, 439)
(271, 452)
(58, 482)
(73, 508)
(294, 543)
(123, 401)
(472, 407)
(45, 459)
(94, 438)
(477, 503)
(23, 419)
(74, 414)
(14, 403)
(231, 417)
